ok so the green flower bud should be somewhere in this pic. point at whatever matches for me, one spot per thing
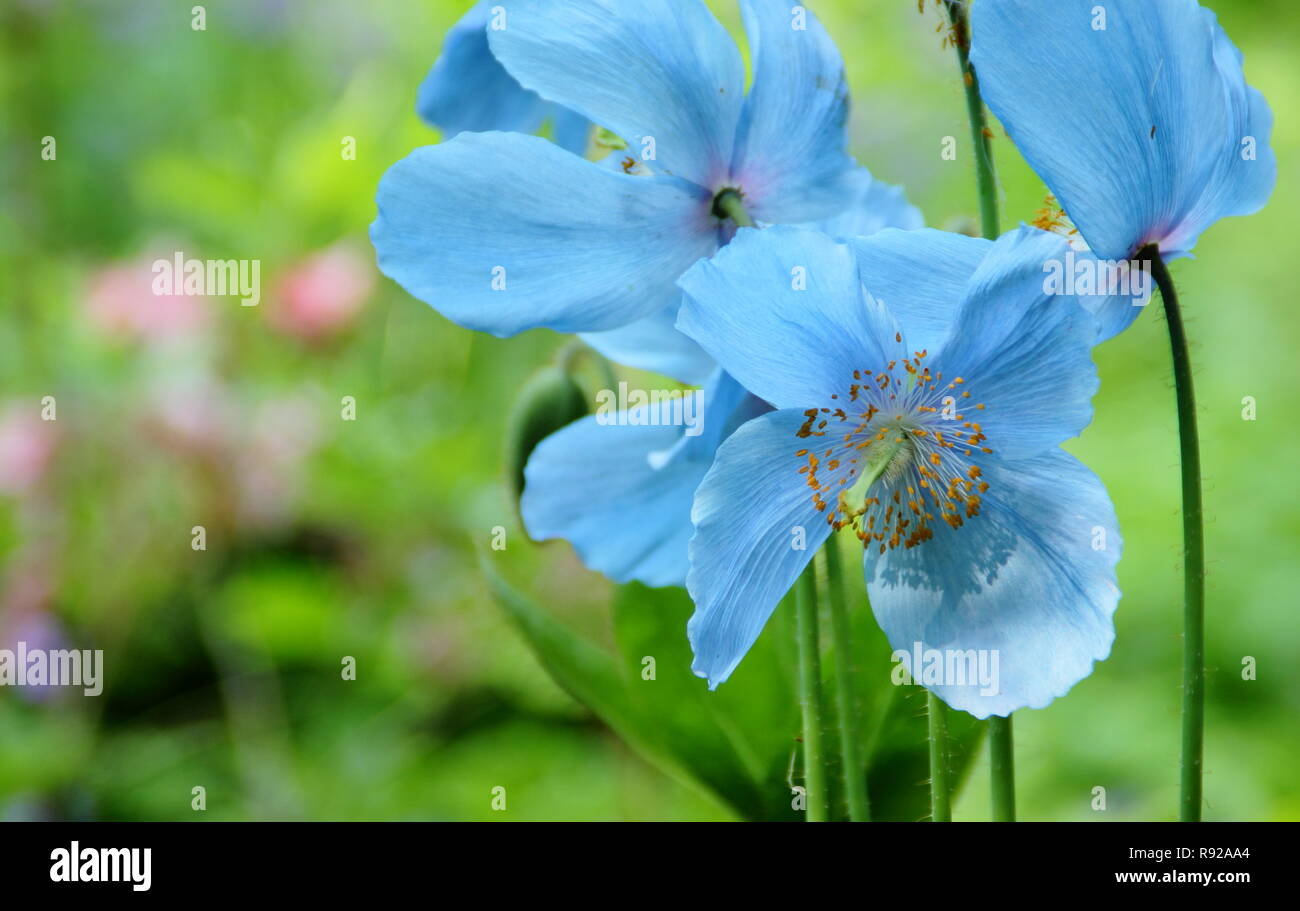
(549, 401)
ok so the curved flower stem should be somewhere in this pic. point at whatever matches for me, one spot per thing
(1001, 747)
(855, 784)
(940, 789)
(1002, 761)
(1193, 548)
(985, 178)
(810, 695)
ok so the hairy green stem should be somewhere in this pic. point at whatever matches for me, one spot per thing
(1193, 547)
(985, 178)
(940, 789)
(855, 783)
(810, 695)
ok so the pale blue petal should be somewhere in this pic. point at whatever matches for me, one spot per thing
(1114, 293)
(621, 493)
(594, 486)
(654, 343)
(920, 276)
(654, 68)
(791, 157)
(1137, 128)
(1031, 579)
(579, 248)
(1241, 185)
(570, 130)
(467, 89)
(782, 310)
(1022, 353)
(873, 206)
(751, 513)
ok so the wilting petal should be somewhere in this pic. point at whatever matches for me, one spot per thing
(781, 309)
(653, 343)
(664, 69)
(791, 155)
(1023, 354)
(873, 206)
(503, 232)
(1137, 128)
(1031, 580)
(621, 493)
(920, 276)
(752, 512)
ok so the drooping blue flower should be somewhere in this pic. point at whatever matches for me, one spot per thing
(504, 232)
(619, 486)
(922, 383)
(467, 89)
(1135, 113)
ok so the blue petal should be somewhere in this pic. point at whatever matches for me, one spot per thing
(921, 277)
(467, 89)
(655, 68)
(621, 493)
(570, 130)
(1030, 580)
(791, 157)
(653, 343)
(782, 310)
(1114, 293)
(580, 248)
(750, 513)
(1136, 128)
(873, 206)
(1022, 353)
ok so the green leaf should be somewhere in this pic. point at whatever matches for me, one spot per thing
(657, 718)
(740, 738)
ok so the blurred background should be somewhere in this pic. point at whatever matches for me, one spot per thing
(328, 537)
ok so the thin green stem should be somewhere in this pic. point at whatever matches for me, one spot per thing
(1002, 763)
(810, 695)
(1193, 548)
(940, 789)
(985, 178)
(855, 783)
(730, 204)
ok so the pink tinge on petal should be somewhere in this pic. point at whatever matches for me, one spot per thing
(321, 295)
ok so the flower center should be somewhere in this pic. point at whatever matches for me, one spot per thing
(729, 203)
(901, 457)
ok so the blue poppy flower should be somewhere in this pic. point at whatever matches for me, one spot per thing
(619, 486)
(922, 383)
(467, 89)
(504, 232)
(1135, 113)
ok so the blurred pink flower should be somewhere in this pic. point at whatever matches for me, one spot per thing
(27, 446)
(319, 296)
(120, 303)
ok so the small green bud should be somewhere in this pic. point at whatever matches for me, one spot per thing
(549, 401)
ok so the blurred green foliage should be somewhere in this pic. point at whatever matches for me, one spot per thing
(329, 537)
